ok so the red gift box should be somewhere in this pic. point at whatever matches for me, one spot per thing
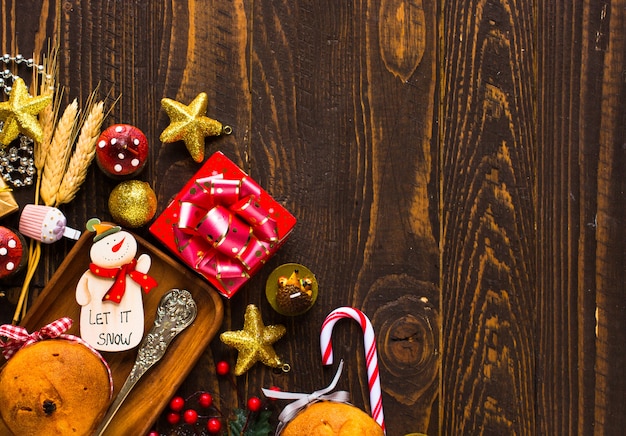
(223, 225)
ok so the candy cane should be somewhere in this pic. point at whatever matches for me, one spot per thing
(371, 356)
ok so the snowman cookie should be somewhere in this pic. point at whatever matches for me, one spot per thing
(110, 292)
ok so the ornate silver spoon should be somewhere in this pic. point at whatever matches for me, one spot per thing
(176, 311)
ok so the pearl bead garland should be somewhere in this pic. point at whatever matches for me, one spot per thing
(17, 165)
(7, 77)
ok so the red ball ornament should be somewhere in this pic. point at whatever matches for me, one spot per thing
(254, 404)
(222, 367)
(173, 418)
(121, 151)
(205, 400)
(154, 433)
(190, 416)
(213, 425)
(13, 252)
(177, 404)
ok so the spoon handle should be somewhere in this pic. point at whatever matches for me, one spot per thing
(176, 311)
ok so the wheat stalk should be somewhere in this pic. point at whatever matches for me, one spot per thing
(83, 155)
(48, 116)
(58, 154)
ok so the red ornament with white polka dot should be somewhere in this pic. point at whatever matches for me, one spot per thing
(13, 253)
(122, 151)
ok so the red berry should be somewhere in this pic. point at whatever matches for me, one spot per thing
(154, 433)
(122, 150)
(254, 404)
(205, 400)
(275, 389)
(222, 367)
(173, 418)
(214, 425)
(190, 416)
(177, 404)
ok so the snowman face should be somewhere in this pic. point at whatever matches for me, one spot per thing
(114, 250)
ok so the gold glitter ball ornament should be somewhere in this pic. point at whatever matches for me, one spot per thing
(19, 114)
(132, 203)
(189, 124)
(254, 342)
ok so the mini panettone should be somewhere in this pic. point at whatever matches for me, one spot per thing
(54, 387)
(328, 418)
(323, 413)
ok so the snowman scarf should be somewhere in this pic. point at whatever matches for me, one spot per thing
(118, 288)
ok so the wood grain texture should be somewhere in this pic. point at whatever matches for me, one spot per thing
(581, 137)
(610, 254)
(326, 127)
(566, 219)
(456, 169)
(488, 213)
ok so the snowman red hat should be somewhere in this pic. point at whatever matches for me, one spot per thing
(102, 229)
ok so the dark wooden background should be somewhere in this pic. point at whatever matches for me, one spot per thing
(458, 171)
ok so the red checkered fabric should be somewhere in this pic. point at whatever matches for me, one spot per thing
(18, 337)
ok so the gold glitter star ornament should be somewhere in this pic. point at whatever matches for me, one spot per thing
(254, 342)
(190, 124)
(19, 114)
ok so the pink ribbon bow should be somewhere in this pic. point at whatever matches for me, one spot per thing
(222, 230)
(18, 337)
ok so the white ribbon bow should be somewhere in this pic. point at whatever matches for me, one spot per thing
(303, 399)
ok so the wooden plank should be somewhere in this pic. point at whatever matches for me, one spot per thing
(610, 361)
(27, 27)
(343, 110)
(488, 157)
(581, 316)
(566, 103)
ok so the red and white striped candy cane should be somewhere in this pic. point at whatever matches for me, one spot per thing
(371, 356)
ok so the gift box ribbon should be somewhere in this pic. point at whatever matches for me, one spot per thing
(302, 400)
(222, 230)
(18, 338)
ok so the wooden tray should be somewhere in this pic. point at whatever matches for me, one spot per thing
(152, 393)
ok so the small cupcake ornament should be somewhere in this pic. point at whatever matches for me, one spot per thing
(46, 224)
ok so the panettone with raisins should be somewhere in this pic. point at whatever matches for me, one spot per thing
(54, 387)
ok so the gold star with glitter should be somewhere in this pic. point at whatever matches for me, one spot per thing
(19, 114)
(189, 124)
(254, 342)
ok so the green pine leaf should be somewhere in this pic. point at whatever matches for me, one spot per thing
(261, 425)
(237, 422)
(257, 426)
